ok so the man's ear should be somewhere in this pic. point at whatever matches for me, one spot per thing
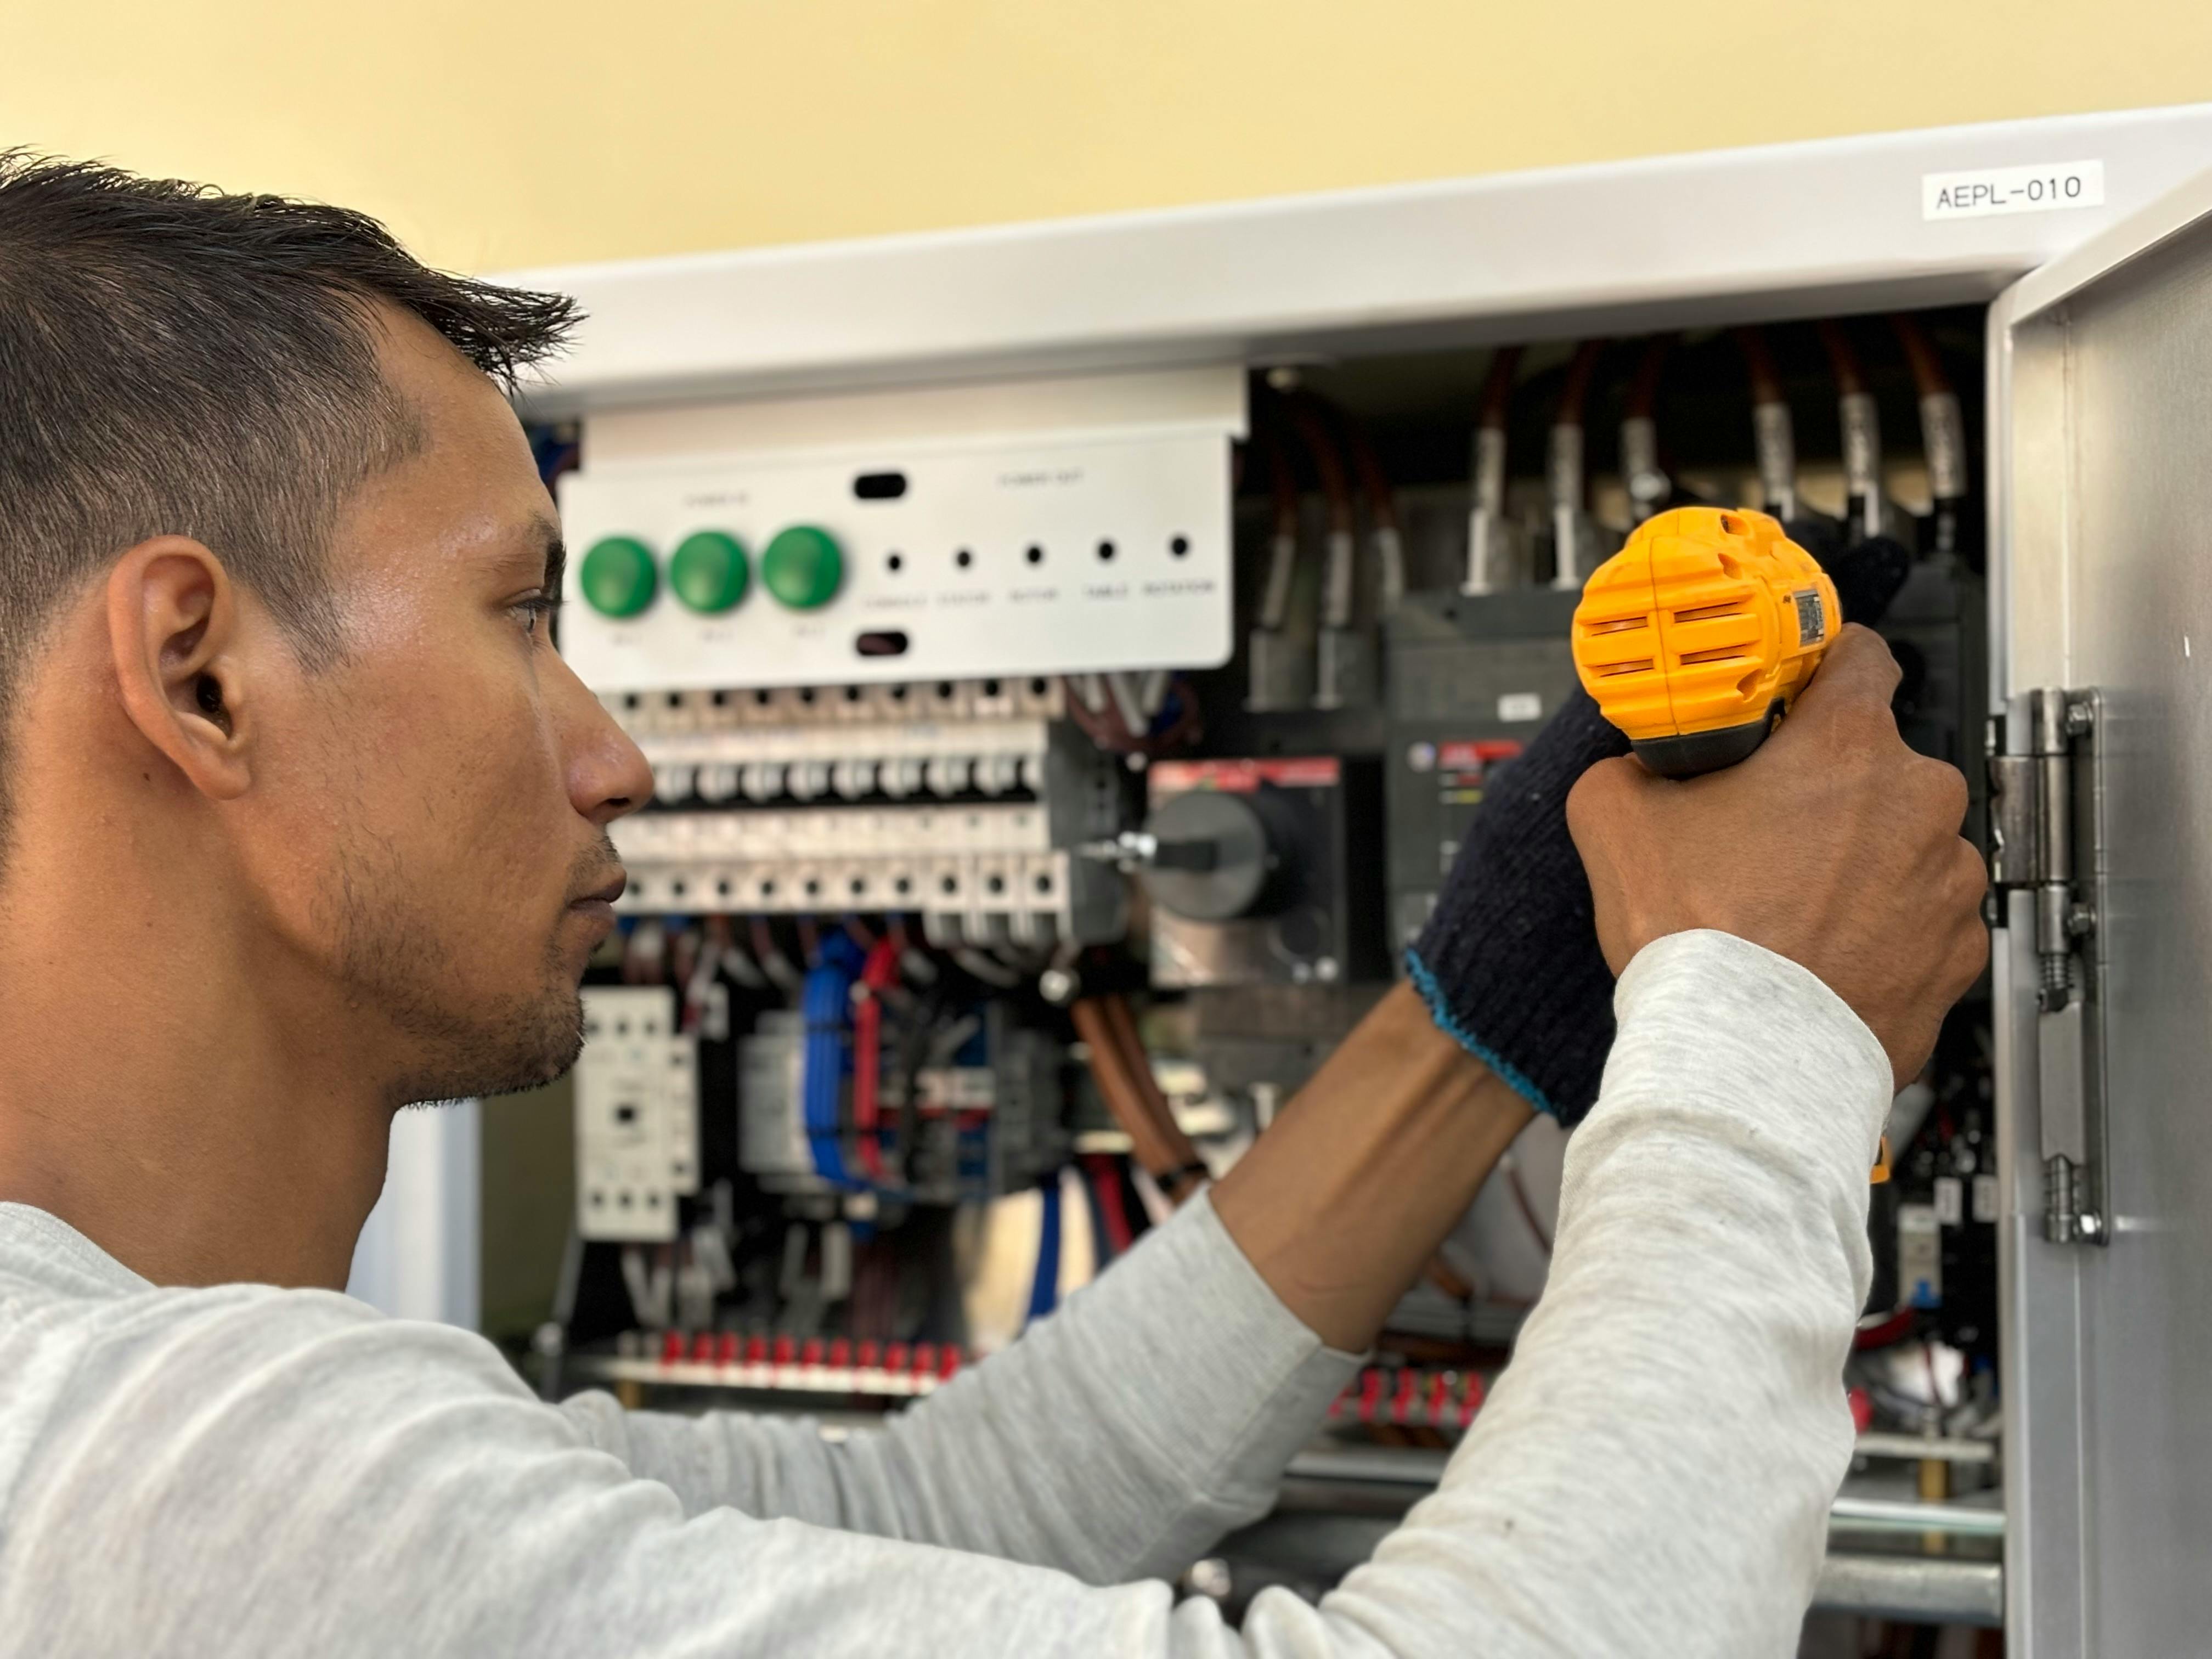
(173, 629)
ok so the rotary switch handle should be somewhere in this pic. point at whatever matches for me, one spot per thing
(1206, 856)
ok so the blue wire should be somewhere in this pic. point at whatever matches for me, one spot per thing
(826, 1006)
(1044, 1289)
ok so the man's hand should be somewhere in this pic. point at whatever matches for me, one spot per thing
(1834, 845)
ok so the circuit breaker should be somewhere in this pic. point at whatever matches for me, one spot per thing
(637, 1115)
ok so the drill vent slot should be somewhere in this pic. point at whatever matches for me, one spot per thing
(1643, 667)
(1624, 625)
(1726, 653)
(1707, 612)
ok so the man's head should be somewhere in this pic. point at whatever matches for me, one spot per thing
(275, 577)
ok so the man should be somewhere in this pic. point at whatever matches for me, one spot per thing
(305, 819)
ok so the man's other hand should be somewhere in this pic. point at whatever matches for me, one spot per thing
(1834, 845)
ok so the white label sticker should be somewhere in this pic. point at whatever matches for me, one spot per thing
(1950, 1200)
(1984, 192)
(1520, 706)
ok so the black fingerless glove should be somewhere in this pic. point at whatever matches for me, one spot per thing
(1509, 963)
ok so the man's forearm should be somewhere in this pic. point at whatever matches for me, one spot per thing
(1343, 1200)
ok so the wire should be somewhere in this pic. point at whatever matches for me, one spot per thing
(1283, 545)
(1490, 562)
(1862, 424)
(1387, 536)
(1044, 1288)
(1570, 529)
(1942, 434)
(1162, 1150)
(1647, 484)
(1337, 579)
(878, 974)
(1771, 431)
(1105, 1179)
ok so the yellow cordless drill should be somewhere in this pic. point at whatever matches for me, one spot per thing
(1695, 638)
(1696, 635)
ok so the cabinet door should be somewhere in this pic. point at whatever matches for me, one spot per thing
(2101, 495)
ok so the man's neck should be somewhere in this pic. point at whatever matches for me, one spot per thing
(199, 1115)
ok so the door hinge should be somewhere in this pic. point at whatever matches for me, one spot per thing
(2047, 841)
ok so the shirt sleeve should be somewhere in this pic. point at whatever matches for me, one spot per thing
(1117, 1439)
(262, 1472)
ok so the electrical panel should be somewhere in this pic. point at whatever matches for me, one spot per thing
(1001, 896)
(637, 1109)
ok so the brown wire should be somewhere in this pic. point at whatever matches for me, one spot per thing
(1927, 375)
(1758, 364)
(1165, 1153)
(1498, 389)
(1282, 482)
(1124, 1026)
(1644, 390)
(1374, 482)
(1322, 451)
(1575, 393)
(1843, 358)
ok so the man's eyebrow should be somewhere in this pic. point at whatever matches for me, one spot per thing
(556, 555)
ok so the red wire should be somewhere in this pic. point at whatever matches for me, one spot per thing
(1106, 1182)
(878, 974)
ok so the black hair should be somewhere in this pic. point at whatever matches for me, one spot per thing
(178, 361)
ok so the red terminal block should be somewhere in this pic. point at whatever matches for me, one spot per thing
(726, 1348)
(1402, 1405)
(810, 1354)
(841, 1354)
(755, 1350)
(925, 1360)
(948, 1363)
(1862, 1405)
(870, 1355)
(672, 1348)
(894, 1358)
(1438, 1410)
(1470, 1398)
(1370, 1393)
(785, 1352)
(702, 1348)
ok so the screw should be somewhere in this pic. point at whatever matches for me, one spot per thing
(2080, 716)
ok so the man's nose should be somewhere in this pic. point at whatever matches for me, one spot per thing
(608, 774)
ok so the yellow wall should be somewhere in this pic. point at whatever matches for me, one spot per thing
(495, 134)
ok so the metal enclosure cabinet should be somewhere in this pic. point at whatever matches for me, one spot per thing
(2101, 395)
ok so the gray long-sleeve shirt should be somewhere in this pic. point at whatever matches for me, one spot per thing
(255, 1471)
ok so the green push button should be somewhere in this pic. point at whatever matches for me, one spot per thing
(618, 578)
(803, 568)
(708, 571)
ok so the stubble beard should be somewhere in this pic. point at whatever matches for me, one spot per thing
(460, 1047)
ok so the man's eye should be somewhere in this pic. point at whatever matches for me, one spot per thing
(534, 611)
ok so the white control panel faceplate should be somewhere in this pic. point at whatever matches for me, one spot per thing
(1004, 558)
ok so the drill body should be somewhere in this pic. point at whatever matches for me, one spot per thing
(1695, 638)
